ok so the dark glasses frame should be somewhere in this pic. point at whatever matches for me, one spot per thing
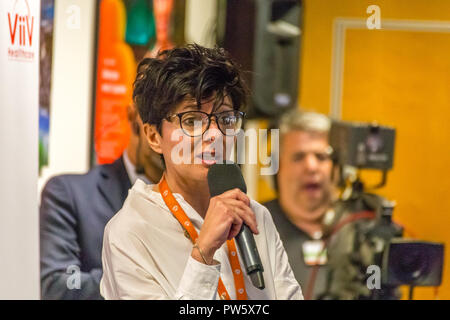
(209, 116)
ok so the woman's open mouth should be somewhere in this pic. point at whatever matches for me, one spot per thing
(209, 158)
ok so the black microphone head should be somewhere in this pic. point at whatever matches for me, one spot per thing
(224, 177)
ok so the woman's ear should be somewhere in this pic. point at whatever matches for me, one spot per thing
(153, 137)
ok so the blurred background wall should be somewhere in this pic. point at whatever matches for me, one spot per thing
(399, 76)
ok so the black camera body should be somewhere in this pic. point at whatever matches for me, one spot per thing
(368, 256)
(361, 145)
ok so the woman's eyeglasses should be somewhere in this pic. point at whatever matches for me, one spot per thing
(195, 123)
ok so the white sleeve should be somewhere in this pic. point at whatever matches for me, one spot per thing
(199, 281)
(124, 277)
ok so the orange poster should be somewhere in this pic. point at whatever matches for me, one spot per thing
(116, 70)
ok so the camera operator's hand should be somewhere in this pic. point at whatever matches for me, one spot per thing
(223, 221)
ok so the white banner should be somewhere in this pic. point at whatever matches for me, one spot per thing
(19, 104)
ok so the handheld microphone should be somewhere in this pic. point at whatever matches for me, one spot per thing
(224, 177)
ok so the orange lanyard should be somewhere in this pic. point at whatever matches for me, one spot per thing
(186, 223)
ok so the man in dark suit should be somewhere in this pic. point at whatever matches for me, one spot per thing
(74, 211)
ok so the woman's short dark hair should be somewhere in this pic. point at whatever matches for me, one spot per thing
(190, 72)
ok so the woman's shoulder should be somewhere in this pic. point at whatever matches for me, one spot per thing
(139, 212)
(261, 212)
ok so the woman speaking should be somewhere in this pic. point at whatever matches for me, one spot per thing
(172, 240)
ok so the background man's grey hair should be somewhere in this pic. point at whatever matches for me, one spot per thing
(304, 121)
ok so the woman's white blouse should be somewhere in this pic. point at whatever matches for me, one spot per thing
(146, 255)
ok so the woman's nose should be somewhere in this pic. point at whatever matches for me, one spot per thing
(212, 133)
(213, 123)
(213, 127)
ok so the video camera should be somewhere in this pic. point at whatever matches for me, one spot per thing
(368, 256)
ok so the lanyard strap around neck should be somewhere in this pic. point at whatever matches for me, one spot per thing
(187, 225)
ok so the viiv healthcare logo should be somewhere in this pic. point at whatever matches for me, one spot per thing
(21, 30)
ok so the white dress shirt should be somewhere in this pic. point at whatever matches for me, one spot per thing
(146, 255)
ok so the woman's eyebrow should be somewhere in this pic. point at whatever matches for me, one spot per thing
(189, 107)
(223, 105)
(193, 106)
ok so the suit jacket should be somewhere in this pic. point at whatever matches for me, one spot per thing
(73, 213)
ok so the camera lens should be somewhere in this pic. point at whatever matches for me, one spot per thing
(413, 262)
(410, 263)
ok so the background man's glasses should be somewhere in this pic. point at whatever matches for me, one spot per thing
(195, 123)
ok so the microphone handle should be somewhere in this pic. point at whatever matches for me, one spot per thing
(250, 255)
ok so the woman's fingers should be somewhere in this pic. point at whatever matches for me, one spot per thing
(224, 218)
(244, 212)
(236, 194)
(235, 228)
